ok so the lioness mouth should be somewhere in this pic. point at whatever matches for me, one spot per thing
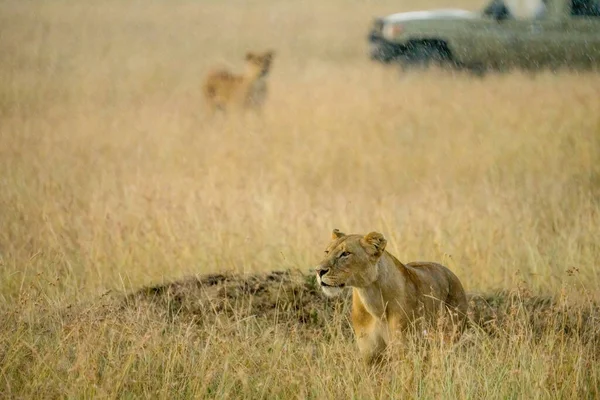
(338, 286)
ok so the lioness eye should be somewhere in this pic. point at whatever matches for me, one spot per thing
(345, 254)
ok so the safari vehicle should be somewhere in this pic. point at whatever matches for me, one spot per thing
(562, 33)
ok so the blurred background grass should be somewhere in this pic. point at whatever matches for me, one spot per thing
(112, 176)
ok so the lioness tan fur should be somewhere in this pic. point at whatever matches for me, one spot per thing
(388, 297)
(224, 90)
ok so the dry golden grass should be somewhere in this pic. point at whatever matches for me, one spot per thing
(112, 178)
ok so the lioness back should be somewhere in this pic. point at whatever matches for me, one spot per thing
(219, 87)
(428, 281)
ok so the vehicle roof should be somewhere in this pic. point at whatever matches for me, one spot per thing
(448, 13)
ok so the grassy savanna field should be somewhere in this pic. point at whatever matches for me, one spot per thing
(114, 181)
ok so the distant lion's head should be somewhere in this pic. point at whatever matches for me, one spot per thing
(350, 260)
(260, 63)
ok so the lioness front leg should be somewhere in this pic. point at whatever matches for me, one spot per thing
(371, 346)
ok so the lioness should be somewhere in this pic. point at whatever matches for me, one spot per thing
(388, 297)
(223, 89)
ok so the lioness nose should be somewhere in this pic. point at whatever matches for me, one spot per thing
(322, 271)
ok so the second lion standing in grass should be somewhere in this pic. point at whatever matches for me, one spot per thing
(224, 90)
(389, 297)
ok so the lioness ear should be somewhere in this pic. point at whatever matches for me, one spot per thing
(249, 56)
(336, 234)
(375, 243)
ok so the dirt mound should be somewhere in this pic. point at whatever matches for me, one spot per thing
(281, 297)
(293, 298)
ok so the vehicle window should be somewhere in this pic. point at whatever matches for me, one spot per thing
(500, 10)
(585, 8)
(497, 10)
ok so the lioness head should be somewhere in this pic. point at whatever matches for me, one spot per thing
(350, 260)
(259, 64)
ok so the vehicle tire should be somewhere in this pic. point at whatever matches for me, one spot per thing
(381, 56)
(478, 70)
(383, 53)
(423, 54)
